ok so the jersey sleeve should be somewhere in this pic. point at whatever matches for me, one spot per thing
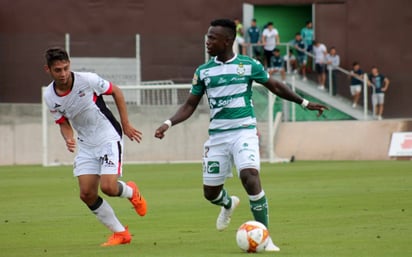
(198, 87)
(258, 72)
(57, 116)
(99, 85)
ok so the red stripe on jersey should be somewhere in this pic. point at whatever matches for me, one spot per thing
(61, 120)
(94, 97)
(109, 90)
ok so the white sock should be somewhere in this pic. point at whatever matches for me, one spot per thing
(105, 215)
(258, 196)
(127, 191)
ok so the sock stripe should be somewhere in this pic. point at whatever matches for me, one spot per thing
(96, 204)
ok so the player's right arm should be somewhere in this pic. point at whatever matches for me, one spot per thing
(183, 113)
(67, 132)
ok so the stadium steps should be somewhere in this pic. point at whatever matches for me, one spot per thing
(340, 103)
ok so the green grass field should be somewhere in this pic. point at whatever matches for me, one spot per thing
(317, 209)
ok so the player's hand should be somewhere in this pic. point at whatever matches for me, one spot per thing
(71, 144)
(132, 133)
(160, 131)
(317, 107)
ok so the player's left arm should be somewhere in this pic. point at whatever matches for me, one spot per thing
(386, 84)
(261, 76)
(285, 92)
(128, 128)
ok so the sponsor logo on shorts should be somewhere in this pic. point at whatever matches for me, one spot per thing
(106, 162)
(213, 167)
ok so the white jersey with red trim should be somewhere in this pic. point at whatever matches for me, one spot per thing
(85, 108)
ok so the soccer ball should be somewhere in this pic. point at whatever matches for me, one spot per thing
(252, 236)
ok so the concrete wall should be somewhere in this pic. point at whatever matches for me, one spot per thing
(340, 140)
(21, 138)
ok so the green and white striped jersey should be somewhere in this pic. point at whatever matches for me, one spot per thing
(228, 87)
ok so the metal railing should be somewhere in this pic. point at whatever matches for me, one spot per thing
(364, 78)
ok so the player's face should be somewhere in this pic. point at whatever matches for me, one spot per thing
(217, 41)
(375, 72)
(60, 72)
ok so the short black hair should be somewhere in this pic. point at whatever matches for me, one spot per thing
(225, 23)
(355, 63)
(308, 22)
(56, 54)
(270, 23)
(276, 50)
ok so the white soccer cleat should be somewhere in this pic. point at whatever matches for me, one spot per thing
(271, 247)
(223, 220)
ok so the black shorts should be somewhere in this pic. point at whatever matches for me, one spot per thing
(268, 54)
(320, 68)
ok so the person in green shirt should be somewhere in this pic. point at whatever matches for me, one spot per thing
(227, 79)
(307, 35)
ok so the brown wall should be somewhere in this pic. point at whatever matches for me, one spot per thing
(369, 31)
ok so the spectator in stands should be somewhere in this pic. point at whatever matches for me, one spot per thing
(270, 38)
(299, 44)
(356, 82)
(307, 35)
(254, 38)
(276, 65)
(240, 40)
(333, 61)
(380, 84)
(320, 51)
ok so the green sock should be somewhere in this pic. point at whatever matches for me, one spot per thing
(260, 209)
(223, 199)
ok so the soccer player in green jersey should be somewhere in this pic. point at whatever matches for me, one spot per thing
(227, 81)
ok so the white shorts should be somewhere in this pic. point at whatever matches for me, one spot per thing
(378, 98)
(354, 89)
(105, 159)
(240, 40)
(222, 150)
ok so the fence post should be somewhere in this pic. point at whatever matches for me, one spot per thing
(330, 70)
(293, 104)
(365, 96)
(67, 43)
(288, 69)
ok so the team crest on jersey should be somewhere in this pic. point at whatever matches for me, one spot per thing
(240, 69)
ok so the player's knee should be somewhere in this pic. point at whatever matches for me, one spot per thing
(110, 189)
(88, 197)
(211, 193)
(250, 180)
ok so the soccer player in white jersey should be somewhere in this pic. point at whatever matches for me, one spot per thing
(227, 81)
(75, 101)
